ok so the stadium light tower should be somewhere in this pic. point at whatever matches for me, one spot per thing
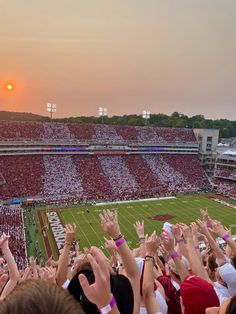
(102, 111)
(146, 115)
(51, 108)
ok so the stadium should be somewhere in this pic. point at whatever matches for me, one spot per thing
(117, 157)
(74, 171)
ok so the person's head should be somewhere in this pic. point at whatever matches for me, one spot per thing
(38, 296)
(211, 266)
(120, 288)
(197, 295)
(173, 270)
(228, 307)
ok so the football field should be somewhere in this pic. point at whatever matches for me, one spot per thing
(154, 213)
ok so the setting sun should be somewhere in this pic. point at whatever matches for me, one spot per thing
(9, 86)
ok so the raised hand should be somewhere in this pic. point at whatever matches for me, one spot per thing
(152, 243)
(99, 292)
(110, 244)
(202, 226)
(48, 274)
(32, 262)
(70, 231)
(139, 227)
(177, 232)
(4, 241)
(185, 230)
(167, 241)
(219, 229)
(109, 223)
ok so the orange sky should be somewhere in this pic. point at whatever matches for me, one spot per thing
(128, 55)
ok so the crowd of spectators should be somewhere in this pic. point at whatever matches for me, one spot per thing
(22, 176)
(61, 178)
(11, 222)
(95, 183)
(97, 133)
(14, 130)
(121, 180)
(56, 131)
(106, 133)
(164, 274)
(229, 174)
(226, 188)
(100, 177)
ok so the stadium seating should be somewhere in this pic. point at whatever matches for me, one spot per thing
(98, 133)
(226, 188)
(15, 130)
(100, 177)
(22, 175)
(225, 174)
(11, 222)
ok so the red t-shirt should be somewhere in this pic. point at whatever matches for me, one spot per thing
(173, 301)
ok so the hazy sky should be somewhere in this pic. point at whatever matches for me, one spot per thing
(128, 55)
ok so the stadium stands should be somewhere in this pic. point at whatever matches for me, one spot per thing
(226, 188)
(14, 130)
(100, 177)
(11, 222)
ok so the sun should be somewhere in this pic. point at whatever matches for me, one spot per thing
(9, 87)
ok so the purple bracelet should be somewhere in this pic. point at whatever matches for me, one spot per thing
(120, 242)
(225, 237)
(197, 247)
(108, 307)
(180, 240)
(174, 255)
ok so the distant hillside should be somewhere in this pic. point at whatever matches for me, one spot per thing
(22, 116)
(178, 120)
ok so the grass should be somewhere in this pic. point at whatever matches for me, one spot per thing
(182, 209)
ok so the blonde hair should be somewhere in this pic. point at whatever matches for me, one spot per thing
(39, 297)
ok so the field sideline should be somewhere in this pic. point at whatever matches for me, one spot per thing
(182, 209)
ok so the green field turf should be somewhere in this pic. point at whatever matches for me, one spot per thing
(183, 209)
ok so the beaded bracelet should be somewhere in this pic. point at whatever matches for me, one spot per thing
(118, 238)
(149, 257)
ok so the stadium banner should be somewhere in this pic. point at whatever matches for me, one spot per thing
(57, 229)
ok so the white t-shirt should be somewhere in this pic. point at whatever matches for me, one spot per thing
(161, 301)
(221, 291)
(228, 274)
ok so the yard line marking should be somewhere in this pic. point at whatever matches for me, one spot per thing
(71, 212)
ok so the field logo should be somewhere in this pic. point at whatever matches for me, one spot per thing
(57, 229)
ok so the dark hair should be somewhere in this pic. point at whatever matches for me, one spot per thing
(231, 308)
(120, 288)
(38, 296)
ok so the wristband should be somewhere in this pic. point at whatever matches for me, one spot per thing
(106, 309)
(225, 237)
(149, 257)
(197, 247)
(118, 238)
(120, 242)
(174, 255)
(180, 240)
